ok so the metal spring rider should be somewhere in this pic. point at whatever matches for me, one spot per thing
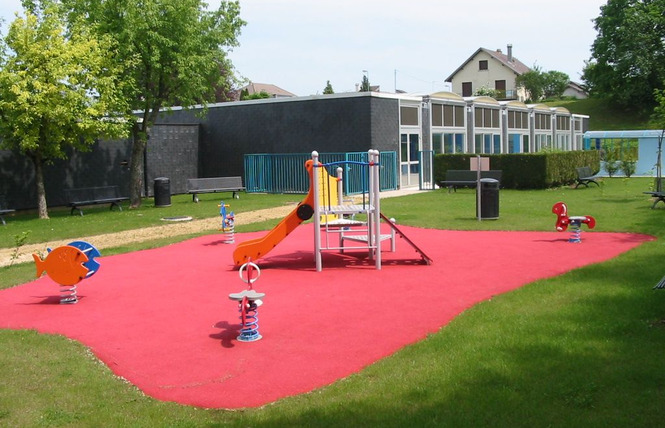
(228, 223)
(248, 302)
(575, 222)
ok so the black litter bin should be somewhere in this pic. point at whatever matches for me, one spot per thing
(489, 199)
(162, 192)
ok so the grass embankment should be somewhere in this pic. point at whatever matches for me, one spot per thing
(604, 118)
(581, 349)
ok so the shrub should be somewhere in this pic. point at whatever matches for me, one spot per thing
(525, 170)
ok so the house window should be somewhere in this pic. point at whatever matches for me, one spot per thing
(500, 86)
(467, 89)
(482, 64)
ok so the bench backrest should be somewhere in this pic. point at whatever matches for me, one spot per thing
(214, 183)
(466, 175)
(584, 171)
(92, 193)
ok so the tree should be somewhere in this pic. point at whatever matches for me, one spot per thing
(328, 89)
(364, 86)
(245, 95)
(658, 122)
(628, 55)
(174, 50)
(533, 83)
(539, 84)
(56, 92)
(555, 84)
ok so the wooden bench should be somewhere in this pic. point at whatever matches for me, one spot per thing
(4, 210)
(464, 178)
(585, 176)
(77, 198)
(213, 185)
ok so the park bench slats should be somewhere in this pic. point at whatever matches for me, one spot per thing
(213, 185)
(78, 197)
(465, 178)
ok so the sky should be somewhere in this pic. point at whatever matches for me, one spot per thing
(412, 46)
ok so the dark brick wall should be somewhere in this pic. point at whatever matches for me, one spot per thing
(101, 166)
(172, 152)
(229, 131)
(185, 144)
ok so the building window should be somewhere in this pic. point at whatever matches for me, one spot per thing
(543, 121)
(482, 64)
(487, 118)
(562, 123)
(409, 116)
(437, 115)
(448, 143)
(447, 115)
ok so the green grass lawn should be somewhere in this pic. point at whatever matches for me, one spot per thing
(581, 349)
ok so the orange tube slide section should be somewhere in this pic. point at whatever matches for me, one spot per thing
(254, 249)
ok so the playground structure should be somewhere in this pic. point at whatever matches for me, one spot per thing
(248, 302)
(333, 215)
(67, 266)
(228, 223)
(563, 221)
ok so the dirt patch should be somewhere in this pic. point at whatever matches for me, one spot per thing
(169, 229)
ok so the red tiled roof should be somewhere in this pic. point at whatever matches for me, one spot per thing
(517, 66)
(254, 88)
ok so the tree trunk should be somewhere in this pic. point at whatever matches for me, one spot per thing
(139, 142)
(41, 190)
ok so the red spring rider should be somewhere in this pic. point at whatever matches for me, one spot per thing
(563, 221)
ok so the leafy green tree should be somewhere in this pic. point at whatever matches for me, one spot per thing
(555, 83)
(328, 89)
(628, 55)
(533, 83)
(364, 86)
(658, 122)
(56, 91)
(174, 49)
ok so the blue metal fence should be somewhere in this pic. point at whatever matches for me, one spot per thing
(285, 172)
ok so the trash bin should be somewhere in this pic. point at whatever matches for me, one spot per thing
(489, 199)
(162, 192)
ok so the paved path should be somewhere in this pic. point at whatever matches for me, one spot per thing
(171, 229)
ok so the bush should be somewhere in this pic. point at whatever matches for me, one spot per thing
(525, 170)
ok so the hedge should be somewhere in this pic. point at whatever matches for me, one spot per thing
(525, 170)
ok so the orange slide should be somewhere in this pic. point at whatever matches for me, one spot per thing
(256, 248)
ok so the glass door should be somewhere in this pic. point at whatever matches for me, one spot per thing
(408, 160)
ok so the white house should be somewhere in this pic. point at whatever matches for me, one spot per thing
(489, 69)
